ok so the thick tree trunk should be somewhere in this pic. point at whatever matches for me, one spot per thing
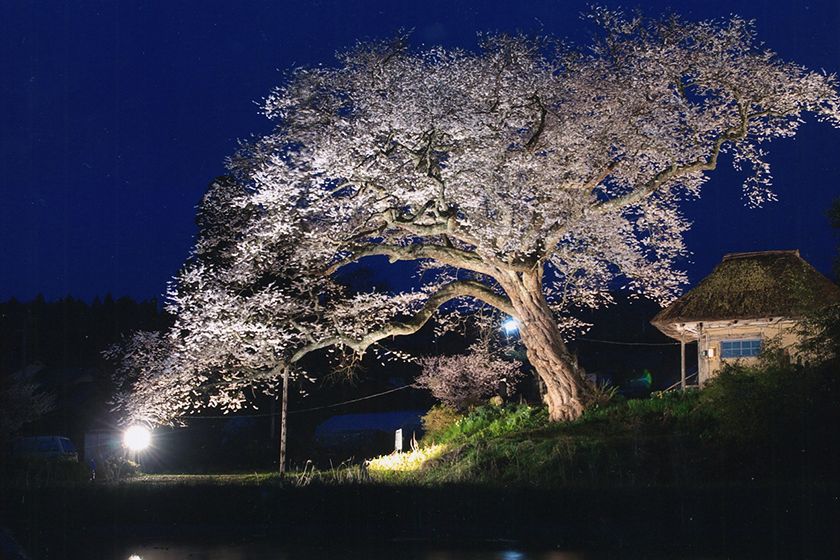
(566, 391)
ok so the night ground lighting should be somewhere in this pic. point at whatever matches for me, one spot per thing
(137, 438)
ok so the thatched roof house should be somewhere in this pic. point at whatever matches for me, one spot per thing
(747, 299)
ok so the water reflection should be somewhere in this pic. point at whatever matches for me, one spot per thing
(270, 551)
(264, 550)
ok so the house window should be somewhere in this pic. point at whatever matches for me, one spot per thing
(744, 348)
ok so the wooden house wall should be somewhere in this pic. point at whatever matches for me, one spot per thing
(781, 332)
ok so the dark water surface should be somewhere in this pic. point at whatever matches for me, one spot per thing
(391, 551)
(205, 522)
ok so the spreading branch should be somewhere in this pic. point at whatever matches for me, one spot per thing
(451, 256)
(449, 292)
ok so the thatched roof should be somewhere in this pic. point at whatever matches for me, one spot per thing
(753, 286)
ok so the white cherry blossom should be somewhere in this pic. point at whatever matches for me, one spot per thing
(530, 176)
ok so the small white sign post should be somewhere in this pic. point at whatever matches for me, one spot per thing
(398, 440)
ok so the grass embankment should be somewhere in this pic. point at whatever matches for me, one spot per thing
(766, 425)
(631, 443)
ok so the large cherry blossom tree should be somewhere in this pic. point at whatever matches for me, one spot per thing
(531, 176)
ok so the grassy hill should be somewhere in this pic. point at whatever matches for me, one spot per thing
(769, 424)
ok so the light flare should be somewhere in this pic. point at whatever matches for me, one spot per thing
(137, 438)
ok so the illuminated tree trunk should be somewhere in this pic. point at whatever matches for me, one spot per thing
(566, 391)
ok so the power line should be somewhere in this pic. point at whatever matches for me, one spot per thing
(351, 400)
(342, 403)
(622, 343)
(267, 414)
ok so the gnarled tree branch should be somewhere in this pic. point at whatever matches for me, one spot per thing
(453, 290)
(674, 171)
(660, 179)
(452, 256)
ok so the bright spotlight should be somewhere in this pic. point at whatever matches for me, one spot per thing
(510, 326)
(137, 438)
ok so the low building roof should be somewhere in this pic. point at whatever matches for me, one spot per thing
(752, 286)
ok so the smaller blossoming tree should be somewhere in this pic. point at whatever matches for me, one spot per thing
(464, 380)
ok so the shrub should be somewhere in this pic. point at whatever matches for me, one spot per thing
(763, 402)
(118, 468)
(437, 420)
(603, 394)
(820, 334)
(775, 420)
(494, 421)
(660, 411)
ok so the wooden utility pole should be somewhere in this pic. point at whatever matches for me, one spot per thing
(283, 407)
(273, 426)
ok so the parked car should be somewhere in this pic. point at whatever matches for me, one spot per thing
(52, 448)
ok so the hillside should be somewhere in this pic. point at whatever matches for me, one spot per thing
(763, 425)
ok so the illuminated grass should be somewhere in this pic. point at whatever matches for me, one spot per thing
(408, 461)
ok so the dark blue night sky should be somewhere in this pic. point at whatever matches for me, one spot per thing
(116, 116)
